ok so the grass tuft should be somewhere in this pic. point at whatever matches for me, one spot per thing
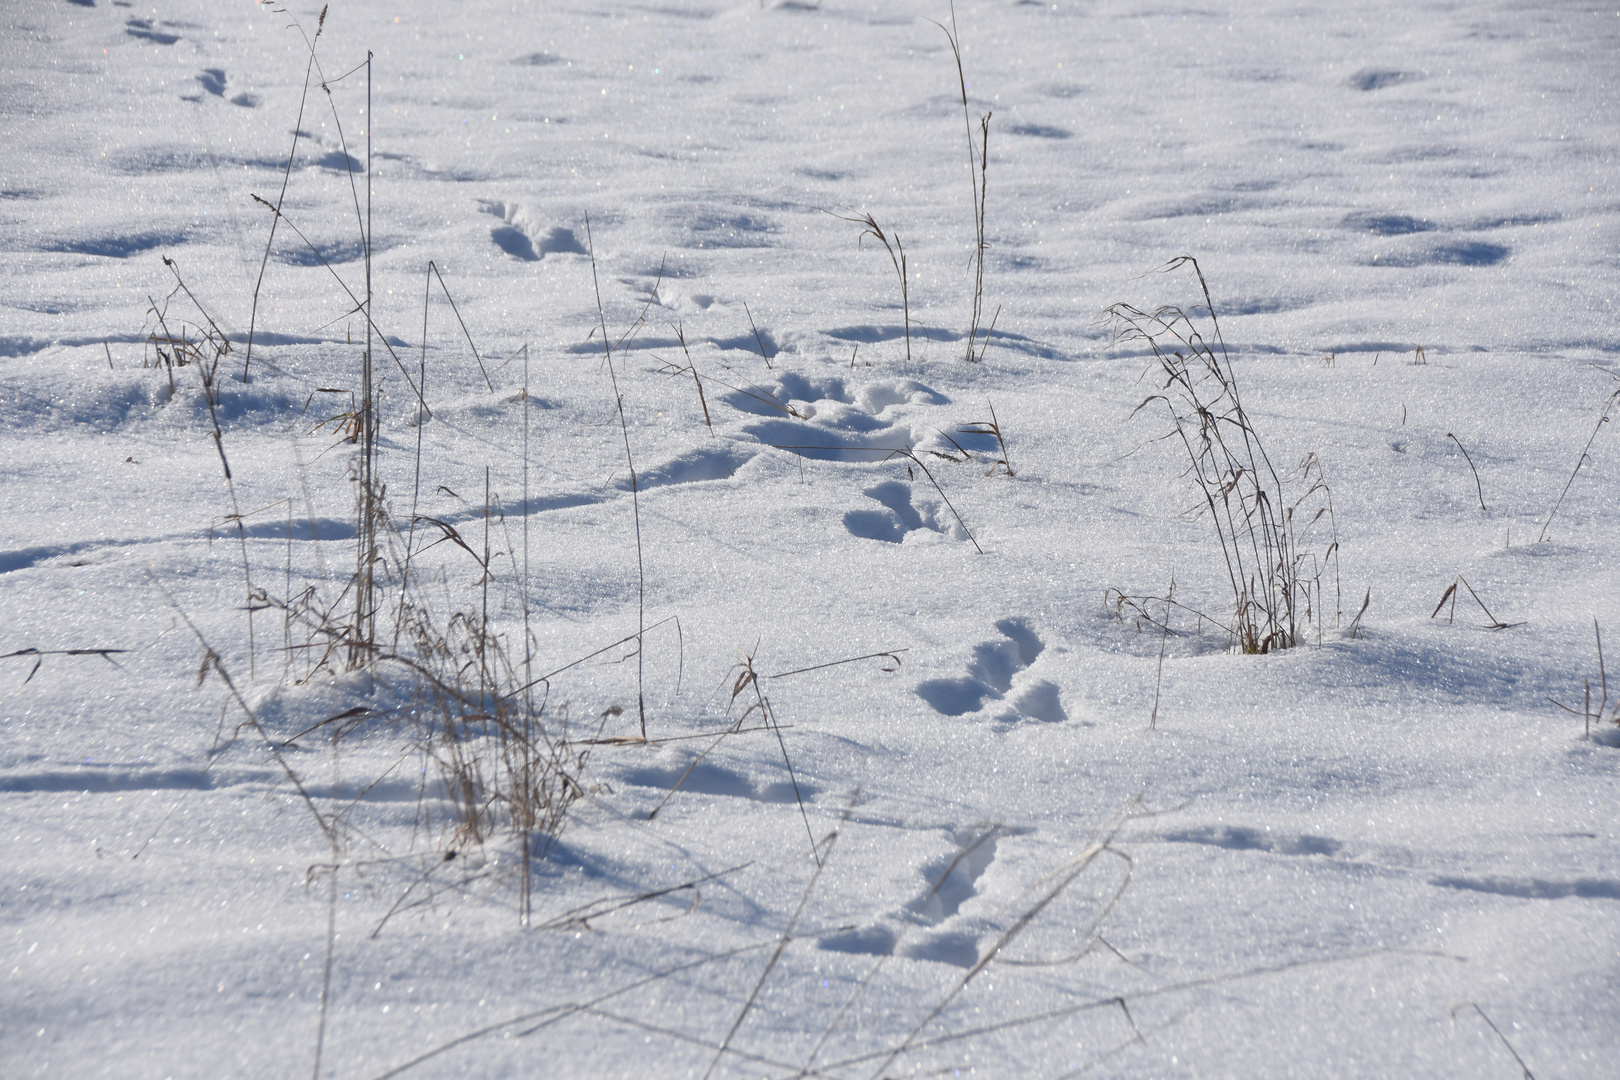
(1260, 532)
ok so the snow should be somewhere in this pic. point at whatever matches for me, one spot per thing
(1050, 841)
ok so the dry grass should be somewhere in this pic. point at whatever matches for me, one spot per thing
(1479, 489)
(978, 159)
(1603, 418)
(503, 759)
(204, 345)
(690, 368)
(499, 759)
(1451, 594)
(1260, 527)
(39, 656)
(758, 339)
(897, 256)
(1586, 712)
(992, 427)
(1503, 1039)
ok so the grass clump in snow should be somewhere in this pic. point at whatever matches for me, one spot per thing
(497, 755)
(1260, 532)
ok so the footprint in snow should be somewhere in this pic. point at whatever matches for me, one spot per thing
(1244, 838)
(147, 31)
(522, 236)
(706, 778)
(898, 516)
(695, 467)
(827, 419)
(999, 672)
(927, 927)
(724, 228)
(213, 80)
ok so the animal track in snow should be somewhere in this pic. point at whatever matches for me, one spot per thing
(116, 246)
(523, 237)
(147, 31)
(213, 80)
(1378, 78)
(898, 517)
(1041, 131)
(671, 297)
(997, 672)
(828, 420)
(102, 778)
(330, 252)
(920, 928)
(1433, 251)
(1243, 838)
(698, 466)
(725, 228)
(706, 778)
(1447, 253)
(953, 882)
(788, 395)
(1536, 888)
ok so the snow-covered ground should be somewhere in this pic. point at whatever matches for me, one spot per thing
(1049, 841)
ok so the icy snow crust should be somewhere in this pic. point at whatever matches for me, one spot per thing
(1316, 859)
